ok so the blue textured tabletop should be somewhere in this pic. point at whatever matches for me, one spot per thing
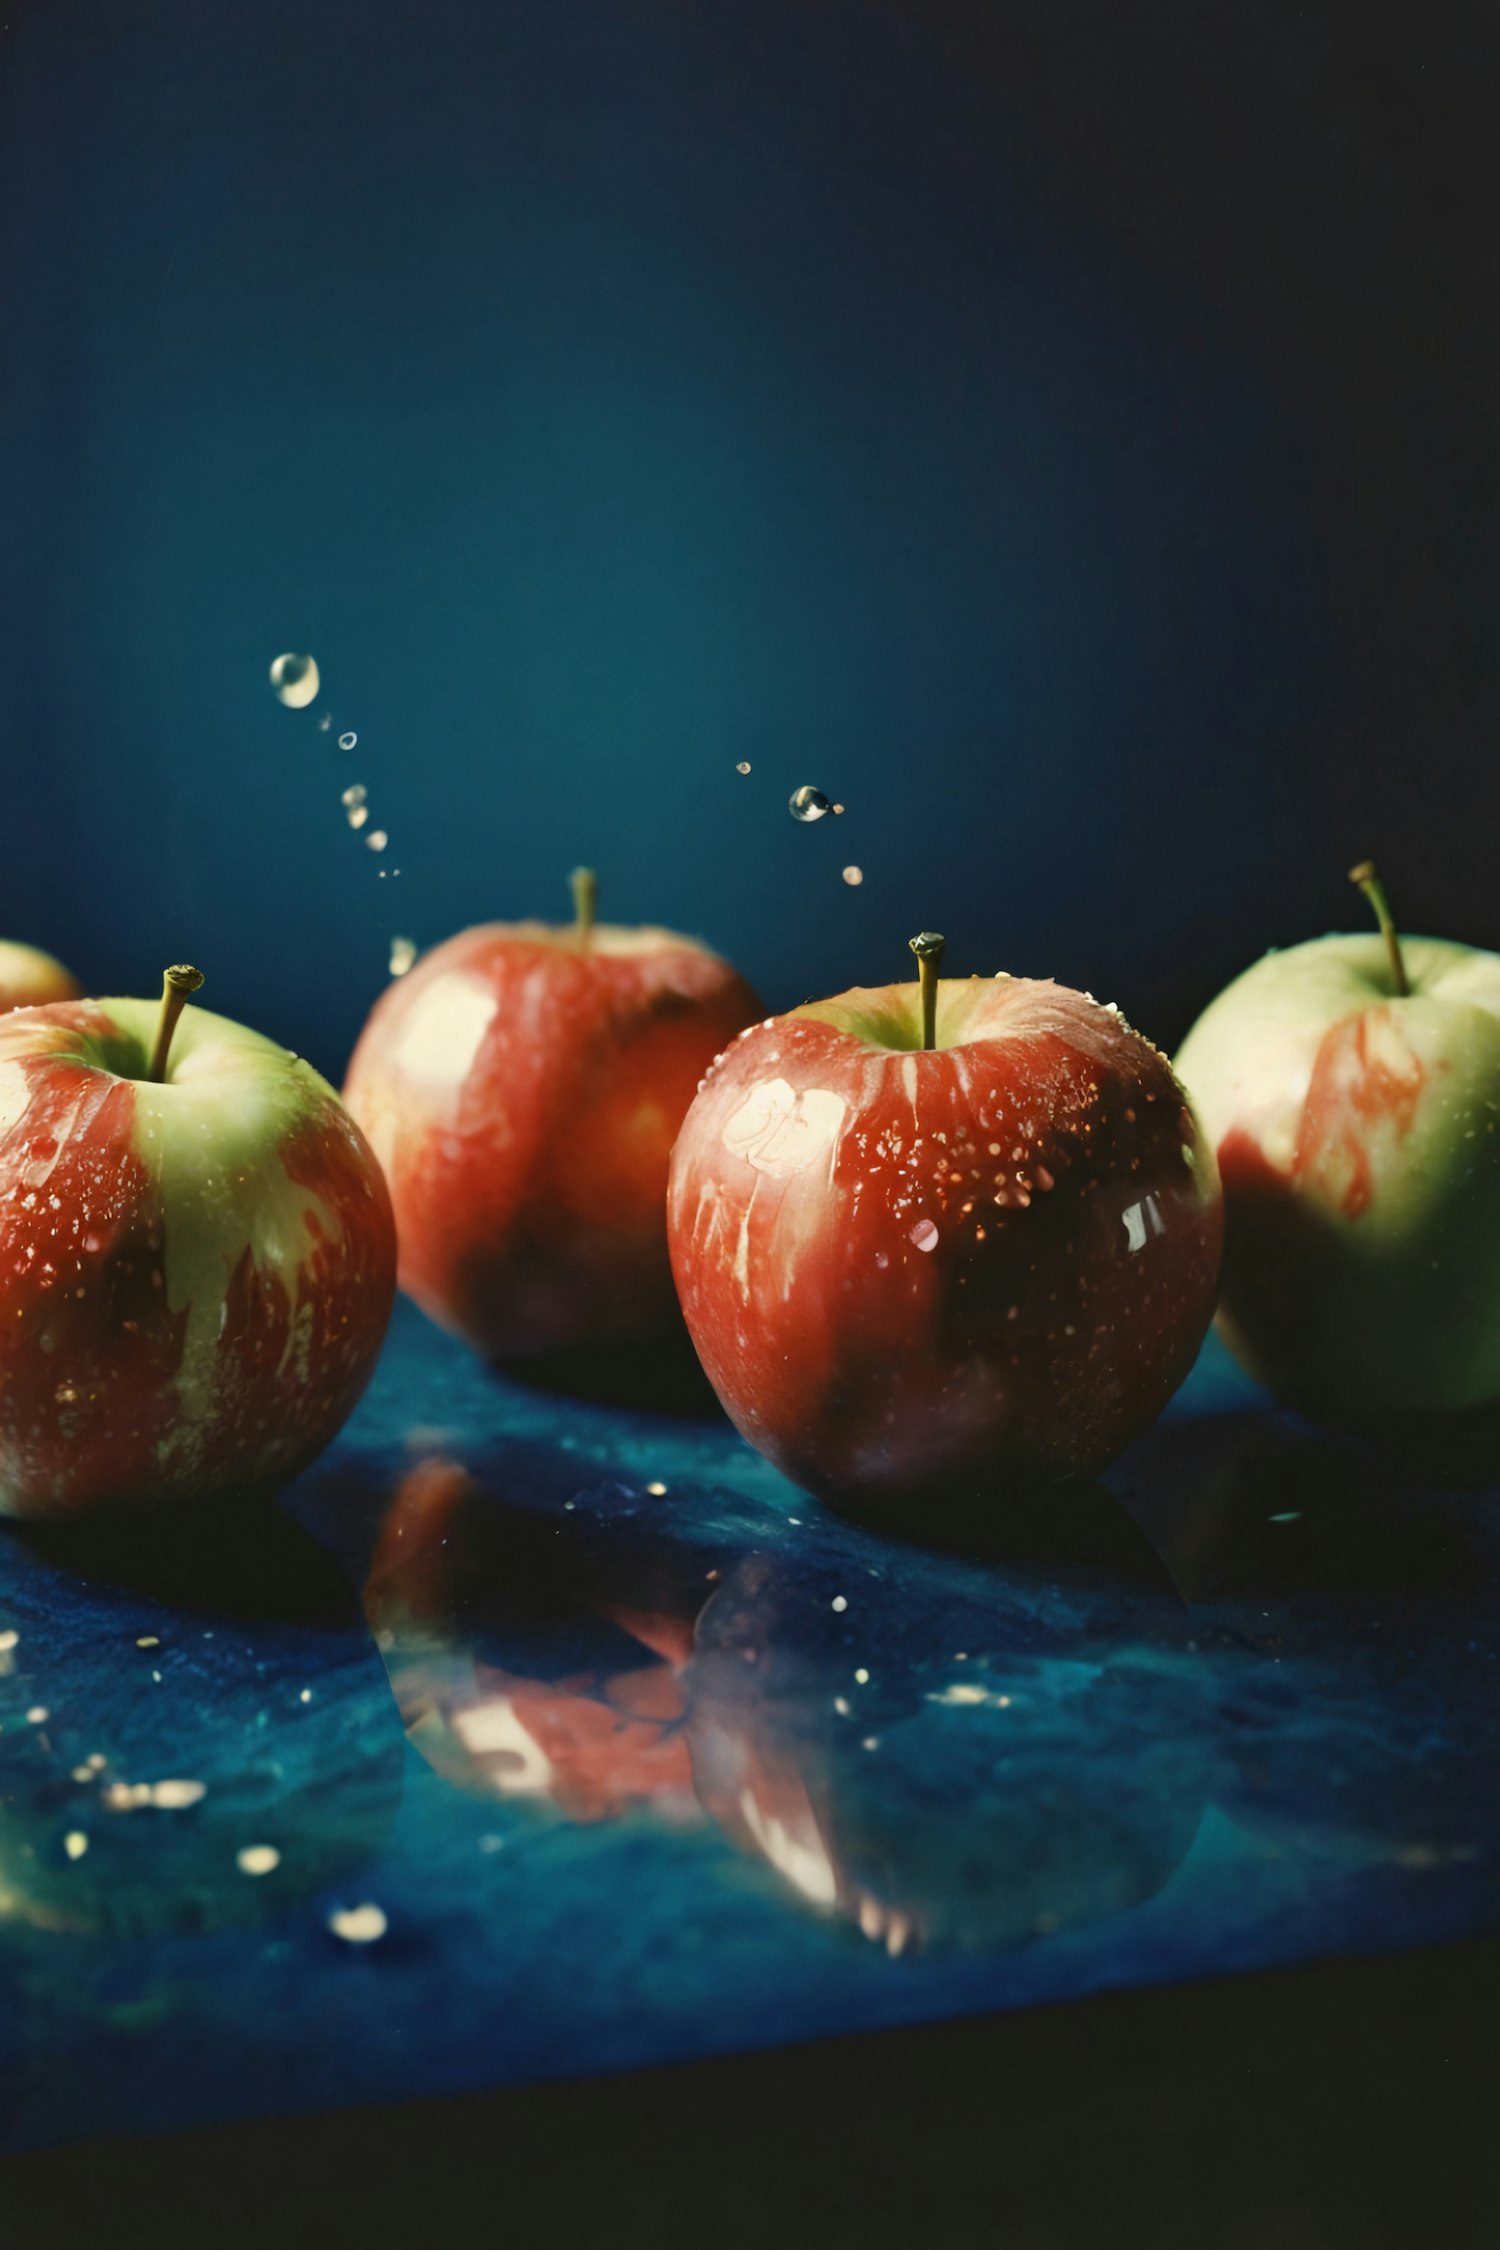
(531, 1737)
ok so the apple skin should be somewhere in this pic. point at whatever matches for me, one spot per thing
(523, 1091)
(1358, 1136)
(195, 1277)
(30, 978)
(919, 1278)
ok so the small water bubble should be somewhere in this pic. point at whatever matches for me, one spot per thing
(743, 766)
(75, 1843)
(354, 795)
(347, 741)
(854, 876)
(377, 840)
(808, 803)
(403, 954)
(257, 1859)
(357, 815)
(295, 680)
(324, 723)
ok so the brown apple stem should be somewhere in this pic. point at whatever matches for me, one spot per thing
(1369, 882)
(585, 888)
(928, 948)
(177, 987)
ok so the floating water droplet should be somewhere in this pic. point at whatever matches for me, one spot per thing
(854, 876)
(924, 1234)
(357, 815)
(743, 766)
(324, 723)
(808, 803)
(257, 1859)
(354, 794)
(377, 839)
(347, 741)
(403, 953)
(295, 680)
(75, 1843)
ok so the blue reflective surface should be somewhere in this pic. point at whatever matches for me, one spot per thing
(482, 1759)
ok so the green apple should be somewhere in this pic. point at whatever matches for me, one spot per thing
(1351, 1089)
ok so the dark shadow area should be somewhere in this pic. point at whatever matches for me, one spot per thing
(244, 1558)
(1239, 1505)
(652, 1375)
(1077, 1529)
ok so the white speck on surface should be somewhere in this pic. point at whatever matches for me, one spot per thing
(257, 1859)
(358, 1925)
(176, 1796)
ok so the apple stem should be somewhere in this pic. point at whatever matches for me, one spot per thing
(1369, 882)
(928, 948)
(585, 887)
(177, 986)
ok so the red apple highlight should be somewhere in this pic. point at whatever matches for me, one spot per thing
(522, 1087)
(30, 978)
(197, 1257)
(926, 1274)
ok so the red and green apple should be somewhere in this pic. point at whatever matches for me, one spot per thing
(197, 1257)
(523, 1086)
(30, 978)
(933, 1247)
(1351, 1089)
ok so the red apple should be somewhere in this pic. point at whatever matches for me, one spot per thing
(523, 1086)
(917, 1273)
(30, 978)
(197, 1257)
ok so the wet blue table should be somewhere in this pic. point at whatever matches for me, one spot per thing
(529, 1737)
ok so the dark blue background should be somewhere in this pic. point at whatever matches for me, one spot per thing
(1064, 433)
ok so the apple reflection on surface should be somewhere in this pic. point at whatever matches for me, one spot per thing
(930, 1800)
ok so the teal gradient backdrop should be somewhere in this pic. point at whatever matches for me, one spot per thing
(1066, 438)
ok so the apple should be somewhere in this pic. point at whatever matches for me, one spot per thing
(931, 1253)
(30, 978)
(522, 1087)
(1351, 1087)
(197, 1257)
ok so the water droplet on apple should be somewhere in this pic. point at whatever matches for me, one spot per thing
(808, 803)
(924, 1234)
(403, 954)
(854, 876)
(295, 680)
(348, 740)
